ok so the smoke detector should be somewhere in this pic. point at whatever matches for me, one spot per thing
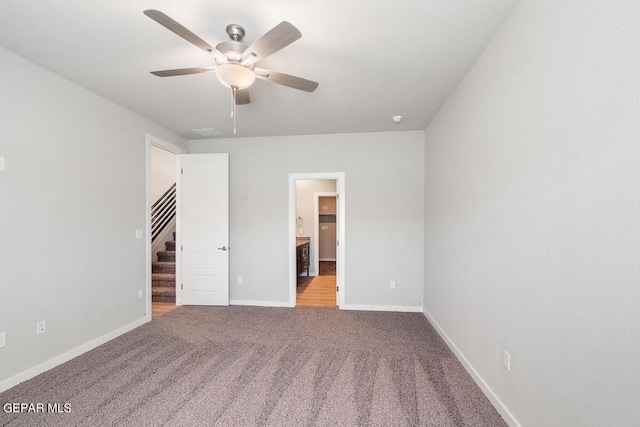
(396, 119)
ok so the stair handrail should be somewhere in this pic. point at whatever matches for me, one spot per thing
(163, 211)
(166, 193)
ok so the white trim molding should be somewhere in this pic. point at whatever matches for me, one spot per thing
(260, 303)
(75, 352)
(493, 398)
(397, 308)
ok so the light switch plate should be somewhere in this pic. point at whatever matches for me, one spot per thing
(138, 234)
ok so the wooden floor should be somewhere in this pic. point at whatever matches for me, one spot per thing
(318, 291)
(160, 308)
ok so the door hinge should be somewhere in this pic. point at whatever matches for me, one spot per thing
(181, 171)
(337, 196)
(337, 242)
(181, 286)
(181, 248)
(337, 288)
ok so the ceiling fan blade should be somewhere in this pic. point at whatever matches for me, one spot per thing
(183, 71)
(286, 80)
(242, 97)
(280, 36)
(172, 25)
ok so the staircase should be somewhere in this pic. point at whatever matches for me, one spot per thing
(163, 274)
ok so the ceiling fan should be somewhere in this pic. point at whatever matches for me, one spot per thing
(235, 63)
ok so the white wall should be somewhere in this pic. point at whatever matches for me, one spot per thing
(532, 214)
(305, 199)
(163, 172)
(71, 197)
(383, 240)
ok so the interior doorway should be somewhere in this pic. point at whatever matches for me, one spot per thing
(325, 210)
(316, 243)
(162, 170)
(315, 282)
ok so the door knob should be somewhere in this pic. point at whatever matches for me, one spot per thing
(224, 248)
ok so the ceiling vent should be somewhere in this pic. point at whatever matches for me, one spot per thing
(208, 132)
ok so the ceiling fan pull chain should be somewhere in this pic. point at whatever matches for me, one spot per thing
(233, 100)
(233, 107)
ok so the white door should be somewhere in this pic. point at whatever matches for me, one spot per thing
(204, 229)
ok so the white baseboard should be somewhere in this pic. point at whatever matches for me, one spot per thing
(398, 308)
(326, 259)
(260, 303)
(65, 357)
(495, 401)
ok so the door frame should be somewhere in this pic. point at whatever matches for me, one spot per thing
(156, 142)
(339, 177)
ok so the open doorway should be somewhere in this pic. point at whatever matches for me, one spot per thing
(161, 225)
(316, 218)
(316, 243)
(326, 232)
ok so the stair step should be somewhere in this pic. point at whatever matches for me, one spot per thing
(164, 291)
(163, 276)
(163, 267)
(163, 280)
(163, 294)
(167, 256)
(170, 245)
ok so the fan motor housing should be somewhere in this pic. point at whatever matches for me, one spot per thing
(233, 50)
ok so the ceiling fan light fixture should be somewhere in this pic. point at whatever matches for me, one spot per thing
(235, 75)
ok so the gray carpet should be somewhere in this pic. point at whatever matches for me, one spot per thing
(250, 366)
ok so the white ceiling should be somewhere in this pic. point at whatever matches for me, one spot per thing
(373, 59)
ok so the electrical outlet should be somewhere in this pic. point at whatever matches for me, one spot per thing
(138, 234)
(41, 327)
(239, 280)
(3, 339)
(140, 294)
(392, 284)
(507, 361)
